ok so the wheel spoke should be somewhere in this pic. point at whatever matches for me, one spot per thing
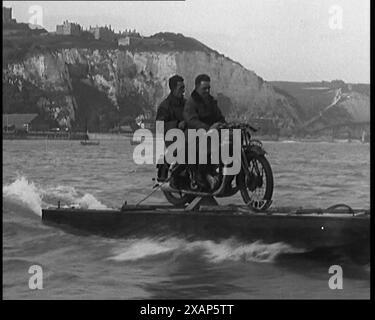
(258, 194)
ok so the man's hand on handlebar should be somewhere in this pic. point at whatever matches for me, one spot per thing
(182, 125)
(217, 125)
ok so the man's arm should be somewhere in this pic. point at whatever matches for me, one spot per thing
(192, 119)
(218, 115)
(163, 114)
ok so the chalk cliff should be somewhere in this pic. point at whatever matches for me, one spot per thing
(103, 87)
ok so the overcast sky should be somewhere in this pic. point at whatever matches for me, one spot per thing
(291, 40)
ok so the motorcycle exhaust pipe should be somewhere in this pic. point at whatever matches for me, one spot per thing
(194, 193)
(216, 193)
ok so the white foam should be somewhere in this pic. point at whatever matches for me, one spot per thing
(255, 251)
(71, 195)
(214, 252)
(143, 248)
(65, 193)
(25, 192)
(88, 201)
(32, 195)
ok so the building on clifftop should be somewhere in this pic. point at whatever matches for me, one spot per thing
(103, 33)
(7, 16)
(69, 28)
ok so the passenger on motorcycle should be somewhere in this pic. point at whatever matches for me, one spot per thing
(171, 112)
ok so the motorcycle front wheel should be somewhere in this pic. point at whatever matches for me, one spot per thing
(257, 189)
(178, 199)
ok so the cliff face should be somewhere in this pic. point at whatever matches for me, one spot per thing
(329, 102)
(357, 105)
(103, 87)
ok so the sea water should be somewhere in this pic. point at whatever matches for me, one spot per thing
(38, 174)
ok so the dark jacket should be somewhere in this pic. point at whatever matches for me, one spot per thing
(198, 114)
(171, 112)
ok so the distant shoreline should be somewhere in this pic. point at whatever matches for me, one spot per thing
(129, 136)
(45, 135)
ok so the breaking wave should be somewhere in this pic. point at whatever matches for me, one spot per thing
(214, 252)
(36, 197)
(25, 192)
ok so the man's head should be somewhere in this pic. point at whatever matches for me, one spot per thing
(177, 86)
(202, 85)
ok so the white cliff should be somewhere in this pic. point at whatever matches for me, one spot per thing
(120, 74)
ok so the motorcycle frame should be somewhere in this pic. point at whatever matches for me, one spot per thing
(249, 149)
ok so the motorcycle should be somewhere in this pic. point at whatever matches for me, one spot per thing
(254, 180)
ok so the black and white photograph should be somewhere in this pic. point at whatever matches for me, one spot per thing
(186, 150)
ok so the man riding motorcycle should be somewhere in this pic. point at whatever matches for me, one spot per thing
(202, 112)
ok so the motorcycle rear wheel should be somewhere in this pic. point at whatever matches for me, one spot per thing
(258, 196)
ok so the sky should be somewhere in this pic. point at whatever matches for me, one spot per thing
(284, 40)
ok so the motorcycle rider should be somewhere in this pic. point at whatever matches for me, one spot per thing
(171, 112)
(202, 112)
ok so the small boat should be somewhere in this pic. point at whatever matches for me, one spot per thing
(135, 142)
(302, 228)
(87, 141)
(90, 142)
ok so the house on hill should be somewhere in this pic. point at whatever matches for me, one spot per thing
(128, 40)
(18, 122)
(69, 29)
(7, 16)
(103, 33)
(130, 33)
(24, 123)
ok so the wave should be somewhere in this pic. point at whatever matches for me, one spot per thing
(214, 252)
(25, 192)
(36, 197)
